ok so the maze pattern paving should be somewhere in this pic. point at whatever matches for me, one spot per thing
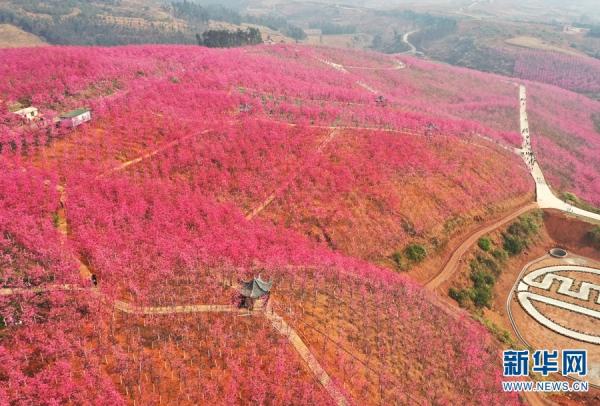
(548, 277)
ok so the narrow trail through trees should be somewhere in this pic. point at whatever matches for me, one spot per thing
(313, 364)
(278, 323)
(63, 229)
(545, 199)
(150, 154)
(265, 203)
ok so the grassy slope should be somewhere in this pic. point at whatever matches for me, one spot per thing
(13, 37)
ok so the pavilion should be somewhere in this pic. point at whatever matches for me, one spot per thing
(256, 289)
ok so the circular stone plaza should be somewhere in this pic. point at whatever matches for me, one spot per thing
(555, 304)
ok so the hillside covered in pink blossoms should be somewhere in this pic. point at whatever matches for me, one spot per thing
(306, 165)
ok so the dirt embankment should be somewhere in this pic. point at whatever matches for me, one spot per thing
(570, 233)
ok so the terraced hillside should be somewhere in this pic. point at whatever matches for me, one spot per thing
(201, 167)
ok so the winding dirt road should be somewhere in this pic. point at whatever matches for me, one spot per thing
(413, 49)
(449, 269)
(451, 266)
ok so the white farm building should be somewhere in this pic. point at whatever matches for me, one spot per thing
(75, 118)
(28, 113)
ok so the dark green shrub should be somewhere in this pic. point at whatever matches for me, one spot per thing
(524, 227)
(490, 265)
(517, 230)
(415, 252)
(482, 296)
(482, 279)
(460, 295)
(55, 219)
(513, 244)
(396, 258)
(502, 335)
(569, 197)
(482, 276)
(594, 236)
(484, 243)
(500, 255)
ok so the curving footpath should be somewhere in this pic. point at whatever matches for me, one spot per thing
(150, 154)
(545, 199)
(39, 289)
(255, 212)
(279, 324)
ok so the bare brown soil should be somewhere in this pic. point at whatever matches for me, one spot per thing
(573, 399)
(570, 233)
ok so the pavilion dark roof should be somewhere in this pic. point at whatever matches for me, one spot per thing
(256, 288)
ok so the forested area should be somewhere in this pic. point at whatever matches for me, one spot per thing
(91, 26)
(431, 27)
(427, 27)
(392, 46)
(228, 39)
(329, 28)
(193, 12)
(106, 22)
(278, 24)
(83, 30)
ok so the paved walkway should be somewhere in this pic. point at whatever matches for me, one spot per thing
(341, 68)
(279, 324)
(545, 199)
(544, 195)
(313, 364)
(40, 289)
(200, 308)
